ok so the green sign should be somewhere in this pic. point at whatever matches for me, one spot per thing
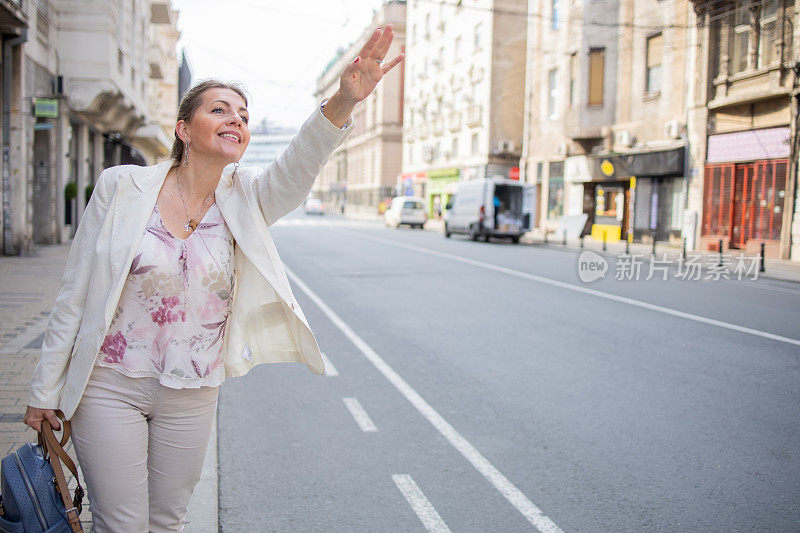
(45, 107)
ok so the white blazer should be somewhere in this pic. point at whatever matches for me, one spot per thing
(266, 324)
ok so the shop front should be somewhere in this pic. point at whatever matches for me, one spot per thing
(744, 191)
(638, 197)
(441, 184)
(411, 184)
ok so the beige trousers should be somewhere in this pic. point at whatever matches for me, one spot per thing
(141, 448)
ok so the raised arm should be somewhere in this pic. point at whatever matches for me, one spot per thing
(287, 182)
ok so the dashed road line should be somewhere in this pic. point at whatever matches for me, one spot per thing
(330, 370)
(419, 503)
(360, 415)
(514, 496)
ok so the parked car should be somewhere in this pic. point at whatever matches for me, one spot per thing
(491, 207)
(409, 210)
(314, 206)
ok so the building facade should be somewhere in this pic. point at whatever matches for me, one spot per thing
(362, 171)
(464, 93)
(743, 118)
(86, 85)
(606, 116)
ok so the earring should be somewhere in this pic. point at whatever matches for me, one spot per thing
(235, 167)
(186, 161)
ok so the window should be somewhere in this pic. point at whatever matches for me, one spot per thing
(573, 97)
(474, 143)
(477, 37)
(120, 60)
(552, 94)
(767, 51)
(428, 26)
(554, 14)
(555, 190)
(454, 151)
(440, 59)
(597, 58)
(655, 53)
(456, 48)
(740, 41)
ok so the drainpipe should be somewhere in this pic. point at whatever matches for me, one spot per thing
(8, 244)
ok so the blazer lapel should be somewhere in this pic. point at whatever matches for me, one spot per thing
(137, 192)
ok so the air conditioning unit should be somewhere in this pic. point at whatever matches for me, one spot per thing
(505, 146)
(672, 129)
(623, 138)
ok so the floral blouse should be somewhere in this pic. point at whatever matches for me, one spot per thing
(172, 313)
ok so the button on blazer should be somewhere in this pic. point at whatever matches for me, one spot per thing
(266, 325)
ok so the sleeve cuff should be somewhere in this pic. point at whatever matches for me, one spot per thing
(347, 125)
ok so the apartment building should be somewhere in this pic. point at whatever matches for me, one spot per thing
(464, 93)
(362, 171)
(743, 125)
(606, 116)
(570, 102)
(86, 84)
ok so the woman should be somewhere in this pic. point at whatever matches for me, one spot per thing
(173, 284)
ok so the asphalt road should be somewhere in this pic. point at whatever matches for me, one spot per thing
(507, 395)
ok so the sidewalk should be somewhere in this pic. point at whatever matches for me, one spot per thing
(28, 286)
(778, 269)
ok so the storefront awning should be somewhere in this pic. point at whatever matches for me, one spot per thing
(615, 167)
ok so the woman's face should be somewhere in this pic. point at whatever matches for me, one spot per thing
(219, 127)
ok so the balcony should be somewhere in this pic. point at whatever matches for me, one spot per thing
(454, 121)
(474, 115)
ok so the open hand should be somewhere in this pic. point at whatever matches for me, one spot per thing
(361, 76)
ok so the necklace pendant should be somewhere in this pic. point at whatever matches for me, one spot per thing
(191, 224)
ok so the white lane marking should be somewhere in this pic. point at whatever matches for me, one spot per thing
(515, 496)
(362, 418)
(330, 370)
(585, 290)
(420, 504)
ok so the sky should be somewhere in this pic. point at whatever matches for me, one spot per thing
(277, 49)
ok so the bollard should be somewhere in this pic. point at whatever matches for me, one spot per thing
(604, 241)
(683, 250)
(581, 237)
(653, 253)
(545, 236)
(564, 242)
(627, 247)
(720, 253)
(761, 266)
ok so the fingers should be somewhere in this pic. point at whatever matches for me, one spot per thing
(384, 42)
(367, 49)
(393, 63)
(55, 423)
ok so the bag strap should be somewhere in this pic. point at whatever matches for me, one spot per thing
(55, 451)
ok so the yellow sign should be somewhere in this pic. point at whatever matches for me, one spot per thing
(607, 167)
(633, 182)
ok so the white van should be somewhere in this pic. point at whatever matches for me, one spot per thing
(491, 207)
(408, 210)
